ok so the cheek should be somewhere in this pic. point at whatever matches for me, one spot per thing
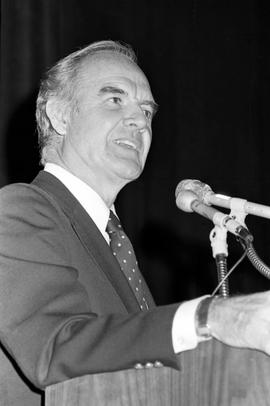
(147, 144)
(82, 130)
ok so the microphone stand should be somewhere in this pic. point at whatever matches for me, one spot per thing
(218, 238)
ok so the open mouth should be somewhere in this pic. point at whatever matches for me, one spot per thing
(127, 144)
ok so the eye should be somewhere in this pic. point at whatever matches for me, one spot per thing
(148, 114)
(115, 100)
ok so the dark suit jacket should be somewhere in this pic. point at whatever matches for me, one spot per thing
(66, 309)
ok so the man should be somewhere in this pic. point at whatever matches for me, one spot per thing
(67, 307)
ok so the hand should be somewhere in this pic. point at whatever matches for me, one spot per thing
(242, 321)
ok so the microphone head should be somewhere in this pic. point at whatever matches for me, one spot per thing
(200, 189)
(184, 200)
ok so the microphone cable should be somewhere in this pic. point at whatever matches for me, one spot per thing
(228, 273)
(255, 259)
(252, 255)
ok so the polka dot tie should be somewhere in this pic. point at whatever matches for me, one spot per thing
(123, 251)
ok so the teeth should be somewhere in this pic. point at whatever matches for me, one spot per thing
(127, 143)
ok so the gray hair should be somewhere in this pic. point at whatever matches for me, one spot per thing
(60, 82)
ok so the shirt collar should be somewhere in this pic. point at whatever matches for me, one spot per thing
(87, 197)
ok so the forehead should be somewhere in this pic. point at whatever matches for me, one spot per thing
(109, 67)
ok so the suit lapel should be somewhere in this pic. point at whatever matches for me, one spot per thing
(90, 237)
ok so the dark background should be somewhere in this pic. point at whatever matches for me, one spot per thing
(208, 65)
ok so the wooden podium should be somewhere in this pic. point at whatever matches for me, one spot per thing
(211, 375)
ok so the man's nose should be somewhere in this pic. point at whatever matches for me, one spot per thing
(135, 119)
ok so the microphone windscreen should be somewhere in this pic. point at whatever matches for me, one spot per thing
(196, 186)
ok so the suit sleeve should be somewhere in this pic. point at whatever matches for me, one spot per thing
(46, 322)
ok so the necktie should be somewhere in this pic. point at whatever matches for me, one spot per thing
(123, 251)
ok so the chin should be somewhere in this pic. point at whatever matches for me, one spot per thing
(130, 174)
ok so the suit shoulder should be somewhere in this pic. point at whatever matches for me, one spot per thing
(29, 217)
(27, 200)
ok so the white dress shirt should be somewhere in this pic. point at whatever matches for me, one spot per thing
(184, 335)
(90, 200)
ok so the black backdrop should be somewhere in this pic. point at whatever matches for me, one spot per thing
(208, 65)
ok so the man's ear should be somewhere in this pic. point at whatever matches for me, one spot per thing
(57, 114)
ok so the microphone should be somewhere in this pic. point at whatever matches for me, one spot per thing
(206, 195)
(188, 201)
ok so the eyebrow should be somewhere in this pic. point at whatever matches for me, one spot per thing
(111, 89)
(118, 90)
